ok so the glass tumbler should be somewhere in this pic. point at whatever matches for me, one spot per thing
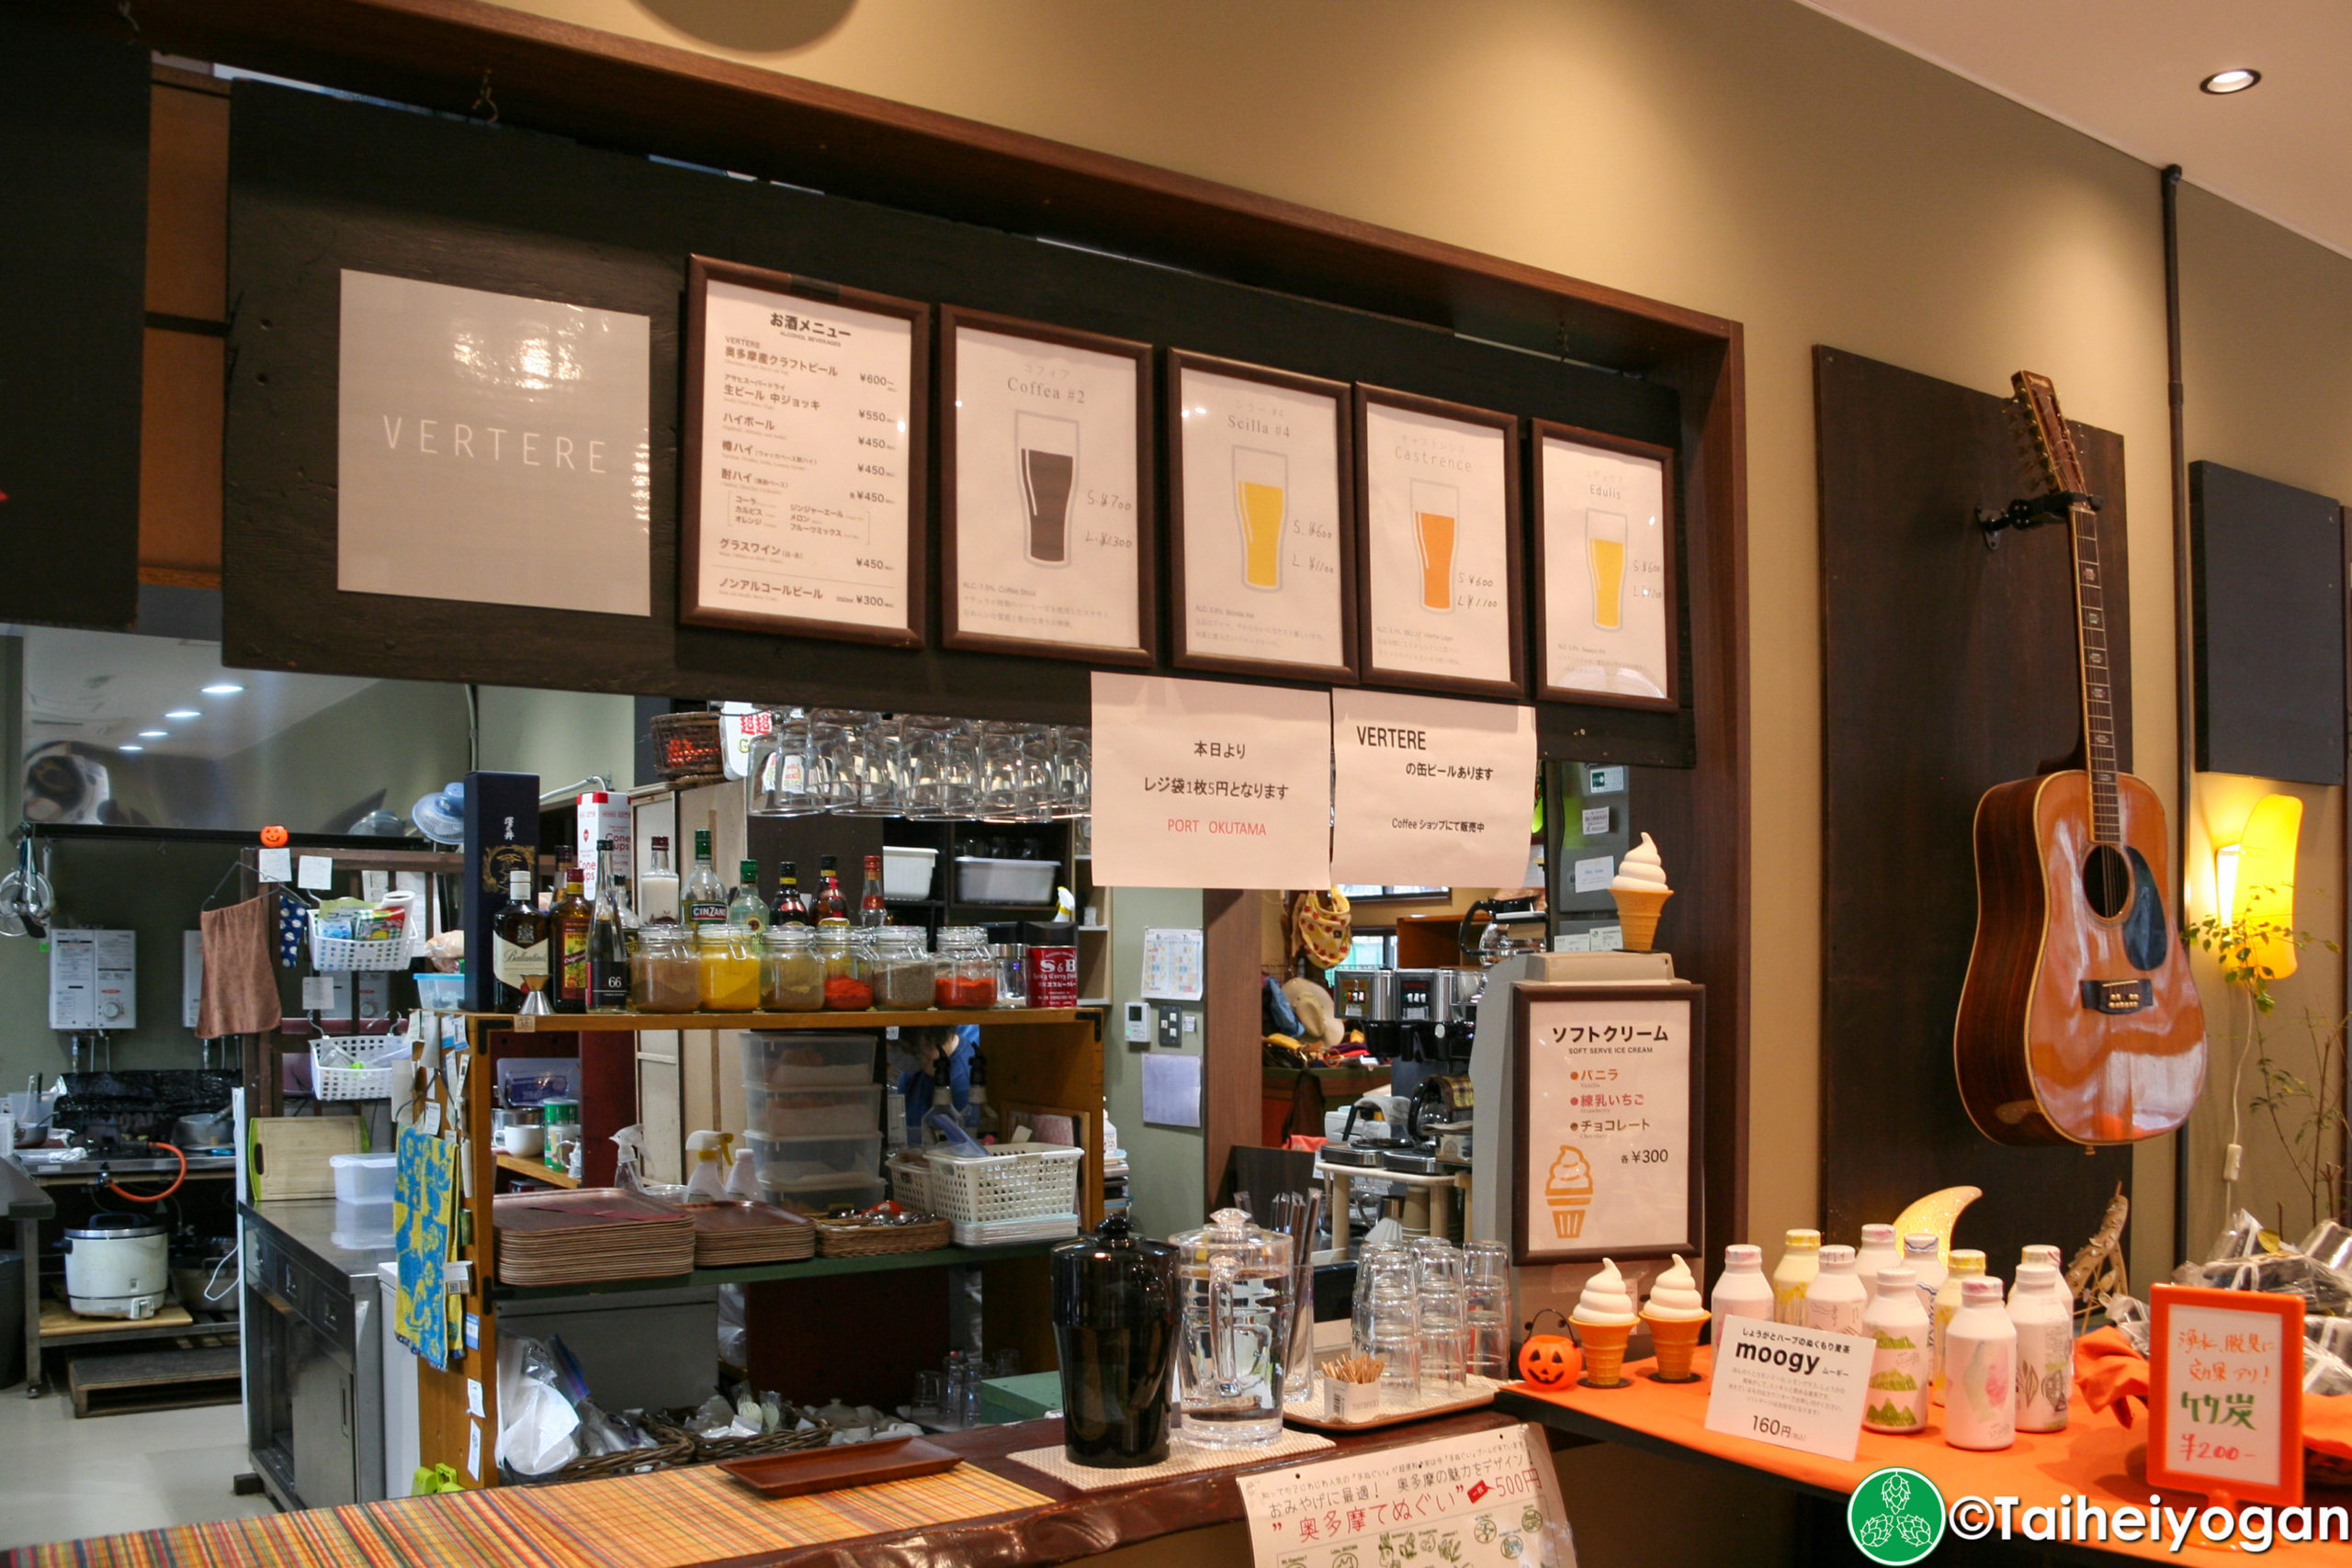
(1008, 778)
(833, 758)
(1487, 1300)
(1443, 1331)
(874, 767)
(1369, 1254)
(1073, 773)
(938, 768)
(1394, 1314)
(775, 778)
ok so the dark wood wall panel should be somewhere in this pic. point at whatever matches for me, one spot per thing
(1945, 668)
(319, 185)
(2269, 588)
(72, 267)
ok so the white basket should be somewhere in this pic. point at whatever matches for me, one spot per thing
(358, 1066)
(1028, 1184)
(999, 1233)
(910, 1181)
(334, 954)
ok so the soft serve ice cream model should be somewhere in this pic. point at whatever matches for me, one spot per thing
(1676, 1315)
(1604, 1320)
(1568, 1191)
(1640, 890)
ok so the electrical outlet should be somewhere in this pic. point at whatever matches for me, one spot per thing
(1192, 1023)
(1172, 1028)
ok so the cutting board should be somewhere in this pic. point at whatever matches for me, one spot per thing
(289, 1155)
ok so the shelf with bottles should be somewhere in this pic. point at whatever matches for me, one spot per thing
(831, 1019)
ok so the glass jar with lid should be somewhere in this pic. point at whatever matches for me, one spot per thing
(792, 977)
(965, 970)
(665, 974)
(849, 971)
(902, 969)
(729, 960)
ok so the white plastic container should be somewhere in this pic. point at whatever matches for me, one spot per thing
(1980, 1369)
(1880, 1249)
(1964, 1264)
(980, 880)
(1741, 1290)
(1897, 1401)
(1835, 1299)
(809, 1113)
(907, 873)
(1793, 1275)
(792, 1165)
(2041, 1311)
(797, 1058)
(813, 1199)
(364, 1179)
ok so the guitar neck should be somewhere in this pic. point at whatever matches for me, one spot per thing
(2097, 676)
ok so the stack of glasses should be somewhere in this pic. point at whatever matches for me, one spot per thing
(1434, 1314)
(809, 760)
(1486, 1267)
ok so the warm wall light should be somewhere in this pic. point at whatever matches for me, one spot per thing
(2254, 881)
(2235, 80)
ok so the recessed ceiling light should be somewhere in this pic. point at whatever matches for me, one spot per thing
(183, 713)
(131, 748)
(2235, 80)
(153, 734)
(225, 689)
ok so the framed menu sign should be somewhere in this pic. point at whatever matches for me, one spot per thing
(2225, 1393)
(1437, 530)
(804, 457)
(1259, 496)
(1047, 544)
(1605, 1107)
(1605, 616)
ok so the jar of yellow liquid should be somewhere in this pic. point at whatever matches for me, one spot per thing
(729, 960)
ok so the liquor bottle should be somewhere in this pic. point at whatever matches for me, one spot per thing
(871, 910)
(657, 890)
(704, 897)
(746, 908)
(573, 915)
(791, 904)
(608, 942)
(832, 909)
(519, 949)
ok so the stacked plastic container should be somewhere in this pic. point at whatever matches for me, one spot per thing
(813, 1119)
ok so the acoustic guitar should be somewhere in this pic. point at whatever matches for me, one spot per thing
(2079, 1022)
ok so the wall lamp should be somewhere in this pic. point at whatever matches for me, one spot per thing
(2254, 881)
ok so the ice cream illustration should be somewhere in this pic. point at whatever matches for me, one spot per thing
(1676, 1314)
(1604, 1320)
(1640, 893)
(1568, 1190)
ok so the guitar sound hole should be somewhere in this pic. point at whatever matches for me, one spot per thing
(2107, 881)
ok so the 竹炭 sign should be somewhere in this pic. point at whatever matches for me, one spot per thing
(1795, 1388)
(1430, 792)
(2225, 1393)
(1489, 1500)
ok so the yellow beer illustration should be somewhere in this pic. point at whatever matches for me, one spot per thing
(1604, 545)
(1262, 495)
(1435, 508)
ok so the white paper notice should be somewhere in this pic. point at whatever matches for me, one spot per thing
(1795, 1388)
(1171, 1089)
(1174, 963)
(807, 407)
(1489, 1500)
(1596, 822)
(1046, 543)
(1261, 523)
(314, 871)
(1594, 875)
(274, 865)
(1605, 542)
(1437, 558)
(1430, 792)
(1208, 784)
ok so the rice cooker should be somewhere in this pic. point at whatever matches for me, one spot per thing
(118, 1266)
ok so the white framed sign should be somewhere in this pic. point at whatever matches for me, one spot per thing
(1437, 531)
(1046, 541)
(1430, 791)
(1608, 1156)
(1262, 526)
(1606, 613)
(491, 448)
(803, 503)
(2225, 1393)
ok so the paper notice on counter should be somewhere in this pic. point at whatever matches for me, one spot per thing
(1489, 1500)
(1797, 1388)
(1430, 791)
(1212, 784)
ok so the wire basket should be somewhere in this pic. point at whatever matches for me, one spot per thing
(336, 955)
(357, 1067)
(1029, 1184)
(687, 746)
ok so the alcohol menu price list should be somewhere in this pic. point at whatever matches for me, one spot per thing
(807, 457)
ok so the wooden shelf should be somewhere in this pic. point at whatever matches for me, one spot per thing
(805, 1268)
(635, 1022)
(526, 1167)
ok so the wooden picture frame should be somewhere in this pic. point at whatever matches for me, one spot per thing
(1532, 1162)
(1666, 651)
(2167, 1462)
(1223, 513)
(954, 320)
(698, 526)
(1505, 586)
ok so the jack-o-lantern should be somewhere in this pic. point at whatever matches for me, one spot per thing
(1550, 1360)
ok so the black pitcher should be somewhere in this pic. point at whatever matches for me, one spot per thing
(1115, 1322)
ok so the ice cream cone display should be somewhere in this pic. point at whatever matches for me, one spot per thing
(1604, 1320)
(1640, 890)
(1676, 1316)
(1568, 1191)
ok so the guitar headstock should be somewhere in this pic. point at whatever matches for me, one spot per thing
(2054, 443)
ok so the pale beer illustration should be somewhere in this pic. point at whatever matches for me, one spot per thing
(1046, 449)
(1604, 547)
(1262, 495)
(1435, 508)
(1567, 1191)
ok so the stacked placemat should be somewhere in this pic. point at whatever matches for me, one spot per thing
(735, 1232)
(590, 1234)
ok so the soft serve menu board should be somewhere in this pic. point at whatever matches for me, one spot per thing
(1427, 791)
(1606, 618)
(1264, 559)
(1047, 517)
(804, 485)
(1606, 1108)
(1438, 506)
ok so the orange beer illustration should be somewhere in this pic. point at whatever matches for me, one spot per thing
(1261, 496)
(1435, 509)
(1604, 544)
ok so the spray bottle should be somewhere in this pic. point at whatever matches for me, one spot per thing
(707, 1176)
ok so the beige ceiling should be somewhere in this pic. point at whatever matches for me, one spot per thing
(2126, 72)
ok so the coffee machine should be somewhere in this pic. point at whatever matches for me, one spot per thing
(1367, 1001)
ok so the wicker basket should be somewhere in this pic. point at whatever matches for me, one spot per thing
(672, 1447)
(838, 1239)
(708, 1450)
(688, 748)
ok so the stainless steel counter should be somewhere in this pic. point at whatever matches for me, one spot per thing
(313, 1351)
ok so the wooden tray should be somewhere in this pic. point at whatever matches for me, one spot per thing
(827, 1470)
(1395, 1409)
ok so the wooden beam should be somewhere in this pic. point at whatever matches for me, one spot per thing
(1231, 1073)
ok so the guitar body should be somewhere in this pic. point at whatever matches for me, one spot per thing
(2078, 1023)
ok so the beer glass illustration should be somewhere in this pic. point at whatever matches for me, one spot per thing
(1604, 548)
(1262, 495)
(1046, 448)
(1435, 507)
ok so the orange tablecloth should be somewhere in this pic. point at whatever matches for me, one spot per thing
(2094, 1457)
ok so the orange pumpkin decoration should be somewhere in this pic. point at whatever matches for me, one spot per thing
(1550, 1360)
